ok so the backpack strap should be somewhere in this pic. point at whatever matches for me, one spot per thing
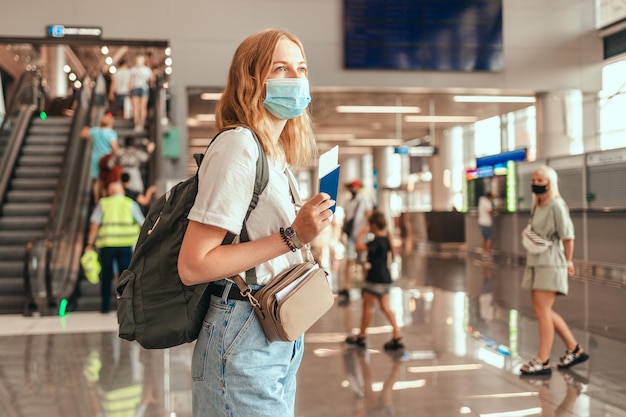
(260, 182)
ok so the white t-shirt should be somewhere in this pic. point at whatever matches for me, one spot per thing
(226, 181)
(122, 81)
(356, 208)
(139, 77)
(484, 207)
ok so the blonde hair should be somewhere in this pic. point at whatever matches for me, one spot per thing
(550, 174)
(242, 100)
(106, 121)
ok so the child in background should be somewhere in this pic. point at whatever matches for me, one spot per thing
(378, 280)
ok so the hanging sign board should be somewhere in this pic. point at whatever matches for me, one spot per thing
(62, 31)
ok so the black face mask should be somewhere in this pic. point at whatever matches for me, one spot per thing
(539, 189)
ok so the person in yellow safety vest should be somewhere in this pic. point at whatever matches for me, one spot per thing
(114, 229)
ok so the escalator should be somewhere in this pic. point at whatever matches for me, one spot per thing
(28, 202)
(43, 180)
(45, 190)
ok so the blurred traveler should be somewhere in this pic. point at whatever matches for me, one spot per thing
(120, 87)
(486, 211)
(143, 199)
(113, 231)
(103, 141)
(131, 158)
(546, 273)
(140, 78)
(357, 211)
(378, 281)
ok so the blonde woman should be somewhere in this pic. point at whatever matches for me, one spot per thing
(139, 86)
(546, 274)
(236, 370)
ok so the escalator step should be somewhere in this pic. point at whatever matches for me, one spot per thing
(11, 269)
(18, 196)
(37, 172)
(34, 183)
(48, 130)
(45, 140)
(31, 209)
(53, 120)
(50, 149)
(40, 160)
(23, 223)
(10, 304)
(11, 237)
(12, 252)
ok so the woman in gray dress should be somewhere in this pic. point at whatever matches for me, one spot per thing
(546, 274)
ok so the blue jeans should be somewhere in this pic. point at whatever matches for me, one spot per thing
(236, 371)
(108, 257)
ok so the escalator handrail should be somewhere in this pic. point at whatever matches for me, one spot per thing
(61, 232)
(24, 110)
(12, 151)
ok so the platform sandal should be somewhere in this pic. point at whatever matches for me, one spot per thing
(536, 367)
(572, 358)
(394, 344)
(358, 341)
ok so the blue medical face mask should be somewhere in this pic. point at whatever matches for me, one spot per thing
(286, 98)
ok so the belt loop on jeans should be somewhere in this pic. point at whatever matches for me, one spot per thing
(226, 292)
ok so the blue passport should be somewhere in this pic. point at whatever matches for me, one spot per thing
(329, 184)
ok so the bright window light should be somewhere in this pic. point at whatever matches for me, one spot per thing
(210, 96)
(205, 117)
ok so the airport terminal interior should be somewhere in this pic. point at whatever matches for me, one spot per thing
(424, 155)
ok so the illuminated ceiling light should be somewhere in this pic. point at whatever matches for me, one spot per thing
(112, 69)
(378, 109)
(440, 119)
(210, 96)
(207, 117)
(168, 70)
(77, 84)
(67, 69)
(494, 99)
(72, 76)
(108, 60)
(375, 142)
(104, 50)
(168, 51)
(168, 62)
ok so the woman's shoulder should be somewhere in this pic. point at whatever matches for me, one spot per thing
(236, 140)
(557, 203)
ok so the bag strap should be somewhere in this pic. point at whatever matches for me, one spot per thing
(297, 202)
(260, 182)
(243, 286)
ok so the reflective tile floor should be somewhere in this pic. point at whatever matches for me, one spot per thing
(467, 325)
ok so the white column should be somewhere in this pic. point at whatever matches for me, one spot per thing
(54, 57)
(559, 123)
(447, 171)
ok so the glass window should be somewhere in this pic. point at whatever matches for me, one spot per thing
(612, 105)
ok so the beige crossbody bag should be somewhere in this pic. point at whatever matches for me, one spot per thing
(295, 299)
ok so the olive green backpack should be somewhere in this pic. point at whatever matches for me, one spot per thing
(153, 306)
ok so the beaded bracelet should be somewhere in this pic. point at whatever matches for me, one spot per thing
(287, 241)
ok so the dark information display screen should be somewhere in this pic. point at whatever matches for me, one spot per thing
(440, 35)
